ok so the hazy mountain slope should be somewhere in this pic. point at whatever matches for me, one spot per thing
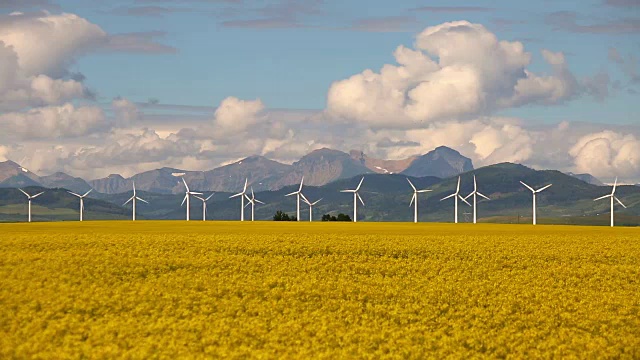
(62, 180)
(382, 166)
(442, 162)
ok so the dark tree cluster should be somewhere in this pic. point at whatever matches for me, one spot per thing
(282, 216)
(340, 217)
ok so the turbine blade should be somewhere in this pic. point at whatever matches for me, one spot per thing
(72, 193)
(448, 197)
(38, 194)
(209, 197)
(143, 200)
(481, 195)
(348, 191)
(410, 183)
(543, 188)
(259, 202)
(424, 190)
(293, 193)
(195, 193)
(464, 200)
(468, 196)
(131, 198)
(185, 184)
(246, 182)
(412, 199)
(252, 195)
(475, 184)
(360, 184)
(248, 203)
(615, 183)
(603, 197)
(528, 187)
(620, 202)
(304, 198)
(458, 187)
(306, 201)
(87, 193)
(301, 181)
(236, 195)
(362, 201)
(185, 199)
(198, 197)
(317, 201)
(24, 193)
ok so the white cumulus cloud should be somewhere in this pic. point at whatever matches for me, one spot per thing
(607, 153)
(457, 70)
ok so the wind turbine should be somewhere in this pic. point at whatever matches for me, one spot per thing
(252, 202)
(81, 200)
(475, 201)
(241, 194)
(133, 201)
(30, 197)
(204, 205)
(414, 200)
(298, 193)
(612, 196)
(311, 205)
(187, 196)
(534, 192)
(356, 197)
(456, 195)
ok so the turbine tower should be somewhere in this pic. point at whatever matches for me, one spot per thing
(252, 202)
(241, 194)
(133, 201)
(297, 193)
(534, 192)
(356, 197)
(81, 200)
(187, 196)
(475, 201)
(414, 200)
(204, 205)
(30, 197)
(311, 205)
(613, 197)
(456, 196)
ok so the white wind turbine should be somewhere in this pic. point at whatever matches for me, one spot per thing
(534, 192)
(414, 200)
(187, 196)
(241, 194)
(612, 196)
(311, 205)
(31, 197)
(81, 200)
(356, 197)
(297, 193)
(456, 196)
(133, 201)
(475, 201)
(252, 202)
(204, 205)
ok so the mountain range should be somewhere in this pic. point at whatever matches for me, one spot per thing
(318, 168)
(386, 197)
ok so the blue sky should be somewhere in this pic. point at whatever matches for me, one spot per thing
(293, 65)
(95, 87)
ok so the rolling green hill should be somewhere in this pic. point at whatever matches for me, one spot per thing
(386, 197)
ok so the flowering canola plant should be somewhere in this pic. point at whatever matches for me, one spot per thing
(340, 290)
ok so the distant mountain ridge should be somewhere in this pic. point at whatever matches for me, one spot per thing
(387, 198)
(318, 168)
(442, 162)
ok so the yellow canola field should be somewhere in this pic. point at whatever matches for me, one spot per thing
(324, 290)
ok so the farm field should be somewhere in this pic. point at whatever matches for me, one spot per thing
(171, 289)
